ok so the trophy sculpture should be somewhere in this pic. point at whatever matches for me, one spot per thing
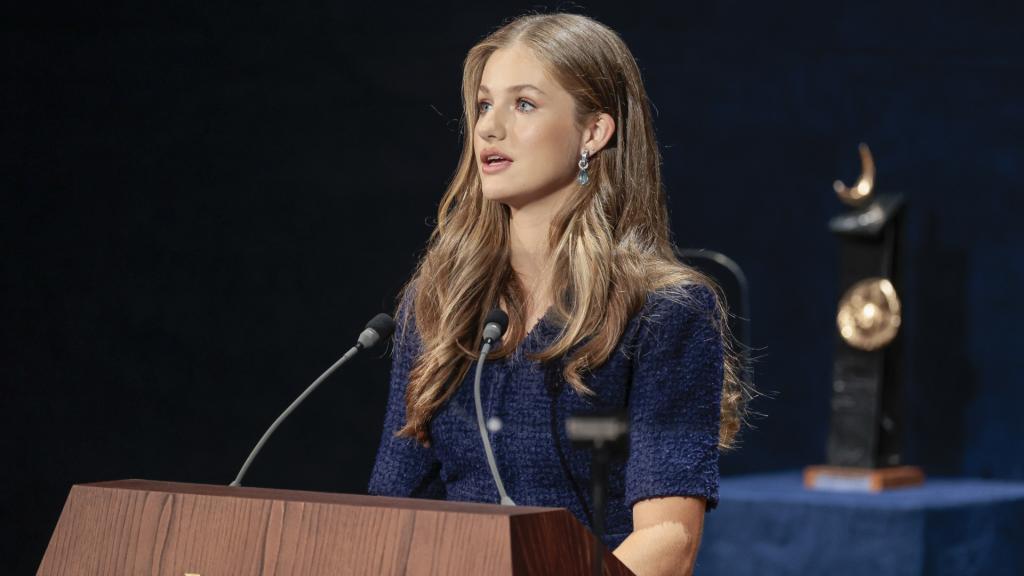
(864, 448)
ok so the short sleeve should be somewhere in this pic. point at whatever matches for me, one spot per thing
(404, 467)
(675, 399)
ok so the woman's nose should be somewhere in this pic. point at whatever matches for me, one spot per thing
(490, 125)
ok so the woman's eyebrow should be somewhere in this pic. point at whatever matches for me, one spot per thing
(515, 88)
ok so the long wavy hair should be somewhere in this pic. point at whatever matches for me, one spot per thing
(610, 243)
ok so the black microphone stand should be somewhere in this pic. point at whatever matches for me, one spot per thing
(607, 435)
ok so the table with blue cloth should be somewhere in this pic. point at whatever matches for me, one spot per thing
(770, 524)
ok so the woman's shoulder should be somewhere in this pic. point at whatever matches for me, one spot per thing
(407, 338)
(678, 302)
(679, 309)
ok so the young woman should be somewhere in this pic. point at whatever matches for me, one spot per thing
(556, 214)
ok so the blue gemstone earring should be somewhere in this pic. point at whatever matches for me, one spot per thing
(583, 177)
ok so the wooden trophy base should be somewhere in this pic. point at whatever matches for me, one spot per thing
(844, 479)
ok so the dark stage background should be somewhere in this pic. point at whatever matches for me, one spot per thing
(203, 204)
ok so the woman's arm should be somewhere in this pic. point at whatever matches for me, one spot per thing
(675, 404)
(404, 467)
(666, 536)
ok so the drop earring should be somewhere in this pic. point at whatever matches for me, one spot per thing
(583, 176)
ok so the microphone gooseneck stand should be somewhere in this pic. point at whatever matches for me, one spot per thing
(505, 500)
(378, 329)
(494, 328)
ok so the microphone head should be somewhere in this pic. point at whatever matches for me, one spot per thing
(382, 324)
(495, 324)
(381, 327)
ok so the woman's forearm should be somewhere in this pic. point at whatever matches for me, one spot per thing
(664, 549)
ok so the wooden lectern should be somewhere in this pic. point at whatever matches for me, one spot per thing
(139, 527)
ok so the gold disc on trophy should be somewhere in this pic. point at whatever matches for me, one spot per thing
(869, 314)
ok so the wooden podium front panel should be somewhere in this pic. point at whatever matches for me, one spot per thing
(158, 528)
(110, 531)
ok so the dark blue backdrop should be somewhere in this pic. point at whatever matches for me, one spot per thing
(202, 204)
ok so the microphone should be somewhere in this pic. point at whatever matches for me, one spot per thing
(379, 328)
(494, 327)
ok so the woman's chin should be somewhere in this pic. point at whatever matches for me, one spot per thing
(503, 196)
(517, 199)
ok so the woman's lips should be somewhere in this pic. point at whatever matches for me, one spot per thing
(495, 167)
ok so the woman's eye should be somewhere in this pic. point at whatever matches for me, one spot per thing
(521, 105)
(525, 105)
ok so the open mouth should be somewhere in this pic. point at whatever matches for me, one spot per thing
(494, 161)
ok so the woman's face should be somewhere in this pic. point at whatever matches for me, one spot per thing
(526, 141)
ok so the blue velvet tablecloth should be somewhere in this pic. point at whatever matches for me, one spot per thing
(769, 524)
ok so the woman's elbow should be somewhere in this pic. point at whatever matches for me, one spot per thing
(663, 549)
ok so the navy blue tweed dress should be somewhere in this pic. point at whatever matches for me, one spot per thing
(666, 372)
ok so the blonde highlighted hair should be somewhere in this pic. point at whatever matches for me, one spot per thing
(610, 243)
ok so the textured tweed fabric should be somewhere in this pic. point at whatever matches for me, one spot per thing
(666, 372)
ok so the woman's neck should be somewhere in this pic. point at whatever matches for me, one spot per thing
(529, 228)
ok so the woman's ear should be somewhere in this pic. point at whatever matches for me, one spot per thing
(598, 131)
